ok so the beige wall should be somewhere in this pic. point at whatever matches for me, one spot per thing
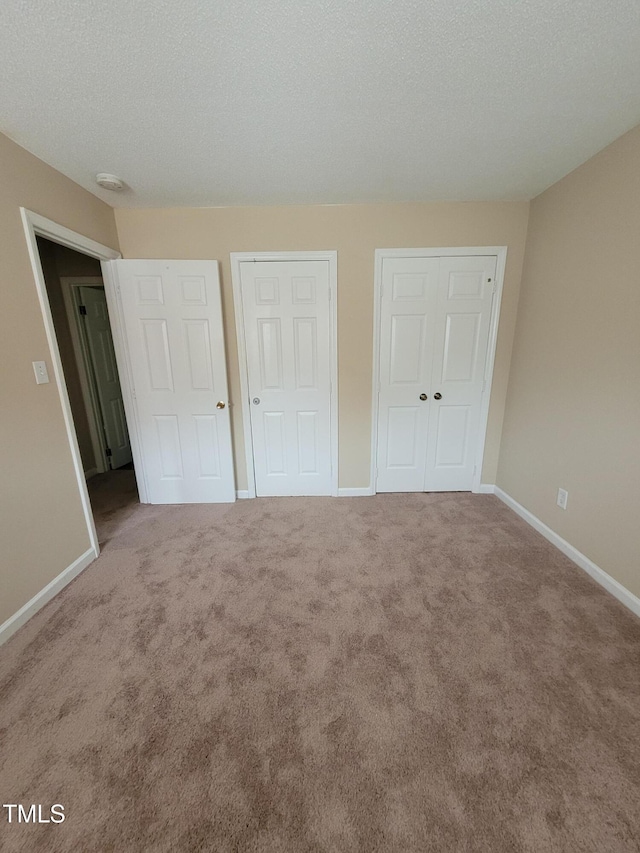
(573, 410)
(355, 231)
(42, 530)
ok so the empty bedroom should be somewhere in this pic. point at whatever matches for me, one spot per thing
(320, 392)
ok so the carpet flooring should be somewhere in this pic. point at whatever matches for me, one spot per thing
(324, 675)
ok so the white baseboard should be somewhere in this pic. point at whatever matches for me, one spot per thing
(360, 492)
(46, 594)
(610, 584)
(486, 489)
(90, 473)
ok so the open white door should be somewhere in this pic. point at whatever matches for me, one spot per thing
(174, 342)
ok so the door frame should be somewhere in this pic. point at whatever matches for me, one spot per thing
(39, 226)
(238, 258)
(70, 286)
(500, 253)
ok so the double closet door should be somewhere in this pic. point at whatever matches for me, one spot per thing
(435, 316)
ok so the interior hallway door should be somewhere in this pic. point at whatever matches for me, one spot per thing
(434, 331)
(97, 330)
(174, 335)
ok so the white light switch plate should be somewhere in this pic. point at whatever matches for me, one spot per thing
(40, 370)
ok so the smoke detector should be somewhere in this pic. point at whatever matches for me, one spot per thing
(109, 182)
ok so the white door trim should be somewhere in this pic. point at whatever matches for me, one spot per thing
(39, 226)
(70, 284)
(500, 253)
(236, 259)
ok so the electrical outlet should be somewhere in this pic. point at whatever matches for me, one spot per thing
(563, 497)
(40, 370)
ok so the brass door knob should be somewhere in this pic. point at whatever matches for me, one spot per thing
(219, 405)
(423, 396)
(437, 396)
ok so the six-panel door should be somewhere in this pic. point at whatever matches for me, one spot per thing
(287, 333)
(434, 331)
(465, 294)
(174, 334)
(407, 323)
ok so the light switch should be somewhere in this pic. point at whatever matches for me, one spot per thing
(40, 370)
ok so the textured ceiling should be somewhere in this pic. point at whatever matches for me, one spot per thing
(228, 102)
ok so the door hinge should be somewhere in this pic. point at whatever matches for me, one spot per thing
(108, 452)
(82, 309)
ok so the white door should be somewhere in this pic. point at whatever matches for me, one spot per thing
(287, 331)
(434, 331)
(97, 330)
(174, 336)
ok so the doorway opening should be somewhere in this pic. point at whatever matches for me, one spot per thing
(76, 295)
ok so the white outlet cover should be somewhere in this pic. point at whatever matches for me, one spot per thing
(563, 497)
(40, 370)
